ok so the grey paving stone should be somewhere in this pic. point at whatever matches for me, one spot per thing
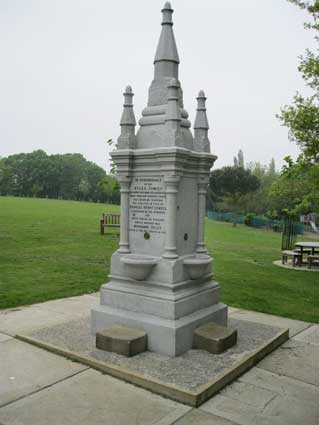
(263, 398)
(281, 385)
(232, 310)
(247, 393)
(295, 326)
(90, 398)
(72, 306)
(29, 319)
(25, 369)
(202, 418)
(310, 335)
(4, 337)
(174, 416)
(296, 359)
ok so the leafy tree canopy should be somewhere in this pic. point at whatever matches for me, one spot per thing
(230, 185)
(302, 117)
(67, 176)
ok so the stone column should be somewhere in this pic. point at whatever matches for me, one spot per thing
(125, 209)
(202, 190)
(171, 207)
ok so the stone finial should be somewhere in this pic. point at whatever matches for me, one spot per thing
(201, 141)
(201, 118)
(127, 138)
(128, 117)
(173, 111)
(166, 48)
(167, 12)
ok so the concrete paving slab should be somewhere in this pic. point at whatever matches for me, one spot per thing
(295, 326)
(29, 319)
(90, 398)
(25, 369)
(191, 378)
(262, 397)
(4, 337)
(310, 335)
(282, 385)
(202, 418)
(232, 310)
(174, 416)
(72, 306)
(248, 394)
(295, 359)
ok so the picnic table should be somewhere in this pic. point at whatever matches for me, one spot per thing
(306, 246)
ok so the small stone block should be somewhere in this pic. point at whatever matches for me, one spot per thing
(122, 340)
(214, 338)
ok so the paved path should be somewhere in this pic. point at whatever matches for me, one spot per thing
(40, 388)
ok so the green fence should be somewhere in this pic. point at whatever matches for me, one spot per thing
(258, 222)
(225, 216)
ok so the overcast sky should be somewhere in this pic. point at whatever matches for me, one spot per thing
(65, 63)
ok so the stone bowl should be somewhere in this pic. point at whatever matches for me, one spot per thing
(196, 266)
(139, 266)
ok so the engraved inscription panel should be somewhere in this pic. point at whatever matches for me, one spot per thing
(147, 204)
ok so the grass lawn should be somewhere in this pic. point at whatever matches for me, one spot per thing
(52, 249)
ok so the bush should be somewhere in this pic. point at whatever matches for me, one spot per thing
(249, 219)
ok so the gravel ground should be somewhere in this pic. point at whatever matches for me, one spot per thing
(188, 371)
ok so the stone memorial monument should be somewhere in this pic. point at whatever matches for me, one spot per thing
(161, 279)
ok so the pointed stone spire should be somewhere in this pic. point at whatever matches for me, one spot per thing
(166, 48)
(201, 141)
(155, 119)
(127, 139)
(166, 61)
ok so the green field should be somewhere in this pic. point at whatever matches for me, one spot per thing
(52, 249)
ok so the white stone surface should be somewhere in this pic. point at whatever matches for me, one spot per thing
(198, 417)
(171, 337)
(4, 337)
(264, 398)
(90, 398)
(295, 326)
(25, 369)
(310, 335)
(29, 318)
(296, 359)
(69, 400)
(161, 270)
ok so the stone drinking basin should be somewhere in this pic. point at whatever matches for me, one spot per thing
(196, 266)
(139, 266)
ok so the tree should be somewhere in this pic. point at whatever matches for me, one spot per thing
(259, 201)
(110, 187)
(68, 176)
(302, 117)
(299, 183)
(231, 184)
(84, 188)
(296, 191)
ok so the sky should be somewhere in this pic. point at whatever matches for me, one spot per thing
(64, 65)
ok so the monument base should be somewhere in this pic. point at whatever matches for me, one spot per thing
(170, 337)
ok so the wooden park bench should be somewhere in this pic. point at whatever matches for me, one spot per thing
(296, 257)
(109, 220)
(312, 259)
